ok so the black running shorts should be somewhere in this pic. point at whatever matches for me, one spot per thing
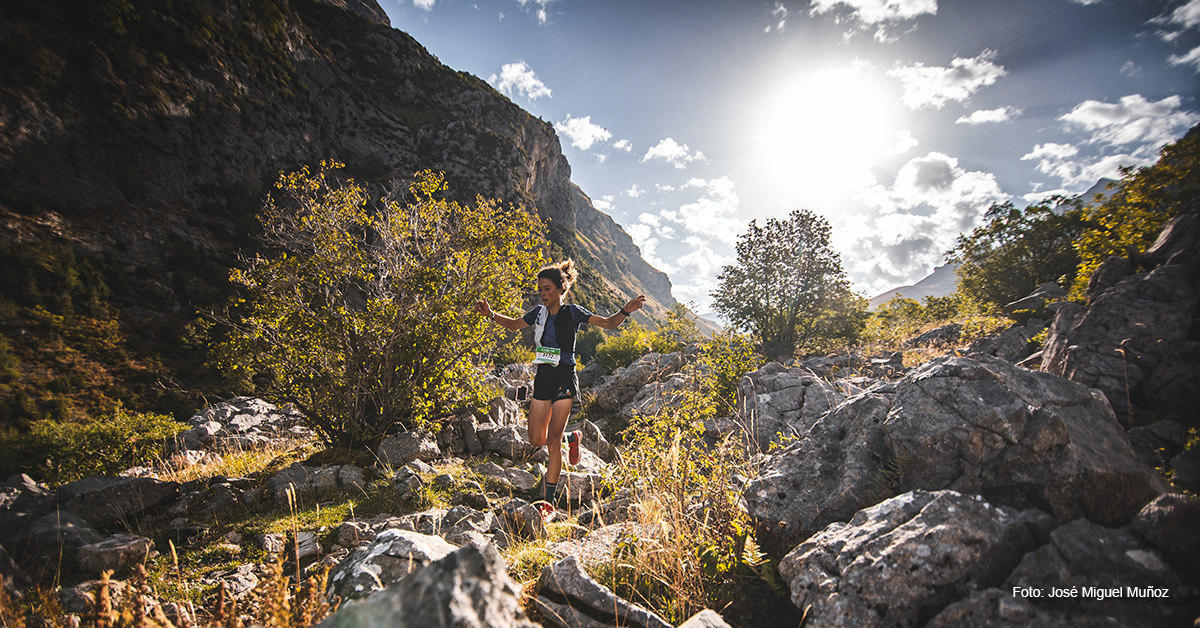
(552, 383)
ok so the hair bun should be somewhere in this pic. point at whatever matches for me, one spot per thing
(568, 271)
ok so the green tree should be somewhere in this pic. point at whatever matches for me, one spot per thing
(1017, 250)
(786, 283)
(1144, 200)
(362, 318)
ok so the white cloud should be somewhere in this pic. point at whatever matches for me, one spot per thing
(714, 214)
(624, 145)
(988, 116)
(932, 86)
(1191, 58)
(672, 152)
(877, 11)
(604, 203)
(424, 4)
(635, 191)
(1087, 2)
(582, 132)
(912, 223)
(780, 14)
(541, 10)
(519, 79)
(663, 187)
(1134, 120)
(1186, 15)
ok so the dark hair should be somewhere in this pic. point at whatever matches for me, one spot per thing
(562, 274)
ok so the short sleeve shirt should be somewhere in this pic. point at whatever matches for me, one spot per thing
(579, 316)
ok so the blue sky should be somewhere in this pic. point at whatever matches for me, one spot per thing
(899, 121)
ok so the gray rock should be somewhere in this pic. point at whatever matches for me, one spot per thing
(908, 557)
(468, 588)
(580, 487)
(621, 507)
(1171, 523)
(467, 426)
(504, 412)
(510, 442)
(1012, 344)
(51, 536)
(776, 402)
(974, 425)
(604, 543)
(592, 374)
(107, 500)
(116, 553)
(1083, 555)
(1158, 442)
(1187, 469)
(941, 336)
(593, 439)
(393, 555)
(354, 534)
(1130, 327)
(620, 388)
(520, 519)
(706, 618)
(1038, 299)
(16, 581)
(307, 482)
(569, 598)
(400, 449)
(81, 598)
(513, 479)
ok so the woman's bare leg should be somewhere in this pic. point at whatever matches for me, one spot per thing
(539, 420)
(561, 411)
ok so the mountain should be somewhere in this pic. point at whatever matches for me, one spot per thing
(940, 283)
(138, 138)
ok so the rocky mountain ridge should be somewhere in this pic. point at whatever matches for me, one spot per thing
(142, 137)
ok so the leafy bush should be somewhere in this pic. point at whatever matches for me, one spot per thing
(358, 311)
(630, 343)
(61, 451)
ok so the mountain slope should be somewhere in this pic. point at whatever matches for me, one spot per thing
(138, 138)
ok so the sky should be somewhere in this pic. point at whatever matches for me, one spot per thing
(898, 121)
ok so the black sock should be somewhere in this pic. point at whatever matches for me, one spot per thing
(551, 489)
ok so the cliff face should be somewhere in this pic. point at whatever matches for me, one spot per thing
(144, 135)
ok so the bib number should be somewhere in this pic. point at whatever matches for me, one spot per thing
(547, 355)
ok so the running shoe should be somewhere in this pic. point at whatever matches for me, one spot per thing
(547, 509)
(573, 446)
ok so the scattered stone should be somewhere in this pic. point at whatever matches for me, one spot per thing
(116, 553)
(942, 336)
(504, 412)
(1187, 469)
(623, 385)
(1158, 442)
(469, 587)
(354, 534)
(517, 480)
(602, 544)
(621, 507)
(705, 619)
(568, 597)
(510, 442)
(393, 555)
(1013, 344)
(907, 558)
(307, 483)
(81, 598)
(580, 487)
(520, 519)
(400, 449)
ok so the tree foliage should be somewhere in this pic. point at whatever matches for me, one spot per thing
(787, 287)
(1017, 250)
(358, 310)
(1144, 200)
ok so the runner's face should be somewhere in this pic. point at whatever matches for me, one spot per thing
(548, 291)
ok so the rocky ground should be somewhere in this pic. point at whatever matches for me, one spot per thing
(966, 490)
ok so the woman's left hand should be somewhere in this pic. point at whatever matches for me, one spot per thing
(635, 304)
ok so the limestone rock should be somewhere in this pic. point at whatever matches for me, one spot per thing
(1012, 344)
(520, 519)
(116, 553)
(778, 402)
(400, 449)
(706, 618)
(941, 336)
(568, 597)
(105, 500)
(468, 587)
(907, 557)
(393, 555)
(975, 425)
(1171, 524)
(624, 384)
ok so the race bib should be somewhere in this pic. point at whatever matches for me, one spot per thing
(547, 355)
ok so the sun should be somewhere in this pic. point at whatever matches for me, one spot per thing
(826, 128)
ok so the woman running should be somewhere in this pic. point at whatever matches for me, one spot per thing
(555, 384)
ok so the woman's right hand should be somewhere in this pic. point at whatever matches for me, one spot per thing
(485, 308)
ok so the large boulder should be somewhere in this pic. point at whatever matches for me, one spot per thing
(1087, 575)
(393, 555)
(976, 425)
(469, 587)
(1136, 322)
(116, 553)
(777, 402)
(400, 449)
(1013, 344)
(569, 598)
(904, 559)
